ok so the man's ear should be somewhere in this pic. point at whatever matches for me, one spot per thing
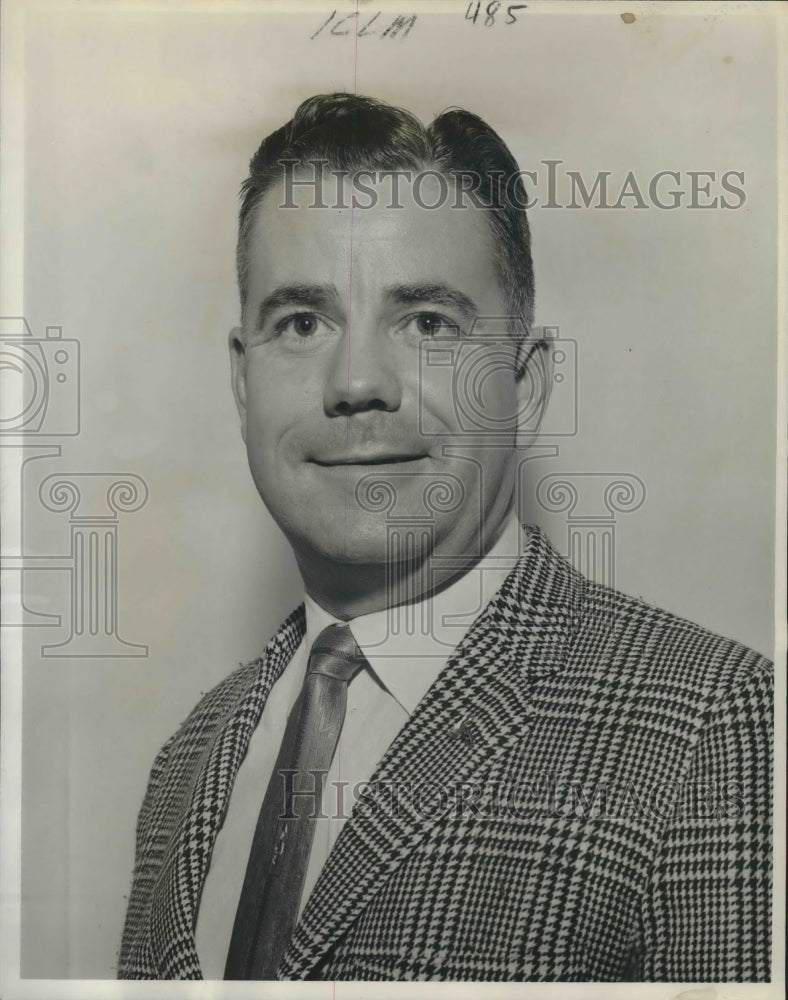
(534, 377)
(238, 373)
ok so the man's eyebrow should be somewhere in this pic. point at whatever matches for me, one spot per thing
(297, 294)
(436, 293)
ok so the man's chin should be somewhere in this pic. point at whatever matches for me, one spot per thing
(359, 538)
(357, 547)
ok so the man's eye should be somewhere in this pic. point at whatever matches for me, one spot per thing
(304, 324)
(431, 324)
(302, 329)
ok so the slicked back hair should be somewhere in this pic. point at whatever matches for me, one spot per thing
(348, 133)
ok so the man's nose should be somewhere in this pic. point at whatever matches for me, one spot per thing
(362, 375)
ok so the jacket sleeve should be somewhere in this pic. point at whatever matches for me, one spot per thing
(707, 910)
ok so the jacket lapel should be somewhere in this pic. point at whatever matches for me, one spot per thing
(215, 741)
(474, 712)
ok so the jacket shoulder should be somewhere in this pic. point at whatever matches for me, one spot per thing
(645, 634)
(223, 719)
(216, 705)
(613, 633)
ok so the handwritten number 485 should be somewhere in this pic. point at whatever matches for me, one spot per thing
(490, 11)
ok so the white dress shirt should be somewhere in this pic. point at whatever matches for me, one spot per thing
(406, 648)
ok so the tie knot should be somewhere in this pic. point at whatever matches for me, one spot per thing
(335, 653)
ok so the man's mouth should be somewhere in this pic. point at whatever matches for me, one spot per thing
(383, 458)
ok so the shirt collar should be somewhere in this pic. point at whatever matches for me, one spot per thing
(408, 645)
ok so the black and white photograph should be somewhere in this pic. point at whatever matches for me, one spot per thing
(393, 457)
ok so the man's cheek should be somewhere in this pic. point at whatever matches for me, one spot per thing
(436, 401)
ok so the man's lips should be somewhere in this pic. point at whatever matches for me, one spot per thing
(384, 458)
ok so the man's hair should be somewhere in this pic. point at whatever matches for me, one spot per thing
(346, 132)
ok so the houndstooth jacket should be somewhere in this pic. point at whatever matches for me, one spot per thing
(582, 795)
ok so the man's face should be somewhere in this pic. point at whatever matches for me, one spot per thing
(336, 391)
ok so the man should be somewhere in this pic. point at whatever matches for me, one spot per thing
(564, 784)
